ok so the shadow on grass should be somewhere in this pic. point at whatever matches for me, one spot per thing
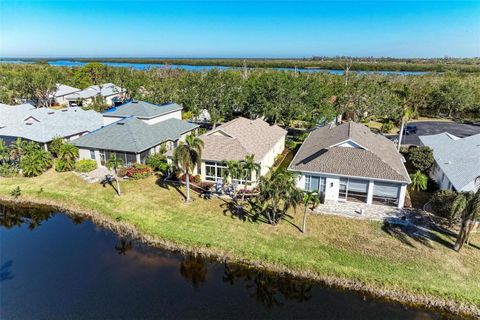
(170, 184)
(410, 234)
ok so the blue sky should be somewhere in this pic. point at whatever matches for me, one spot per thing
(239, 29)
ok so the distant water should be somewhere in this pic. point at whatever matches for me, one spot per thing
(145, 66)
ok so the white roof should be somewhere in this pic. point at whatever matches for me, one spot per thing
(63, 90)
(459, 158)
(43, 124)
(105, 90)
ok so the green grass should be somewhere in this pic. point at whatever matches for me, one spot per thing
(333, 246)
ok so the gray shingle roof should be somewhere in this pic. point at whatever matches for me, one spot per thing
(134, 135)
(241, 137)
(63, 90)
(375, 156)
(142, 109)
(43, 124)
(459, 158)
(105, 90)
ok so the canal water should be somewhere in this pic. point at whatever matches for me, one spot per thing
(53, 266)
(145, 66)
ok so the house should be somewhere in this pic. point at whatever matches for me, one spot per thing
(111, 93)
(350, 163)
(135, 130)
(457, 161)
(43, 124)
(237, 139)
(62, 90)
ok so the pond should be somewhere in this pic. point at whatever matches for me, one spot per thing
(54, 266)
(145, 66)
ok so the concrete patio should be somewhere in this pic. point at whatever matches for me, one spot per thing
(354, 210)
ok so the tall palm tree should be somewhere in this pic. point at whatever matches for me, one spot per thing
(114, 163)
(407, 112)
(187, 154)
(309, 198)
(233, 169)
(467, 206)
(249, 166)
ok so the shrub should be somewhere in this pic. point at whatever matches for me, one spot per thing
(122, 171)
(290, 144)
(421, 158)
(139, 171)
(17, 192)
(35, 163)
(158, 162)
(55, 145)
(194, 179)
(85, 165)
(419, 181)
(62, 165)
(8, 170)
(442, 202)
(386, 127)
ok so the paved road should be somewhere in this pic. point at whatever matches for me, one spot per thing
(435, 127)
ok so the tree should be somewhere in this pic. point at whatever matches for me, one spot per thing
(277, 194)
(309, 198)
(55, 145)
(67, 154)
(187, 155)
(17, 149)
(114, 163)
(37, 83)
(467, 206)
(421, 158)
(232, 172)
(419, 181)
(407, 112)
(248, 167)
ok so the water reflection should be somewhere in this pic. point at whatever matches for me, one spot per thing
(123, 246)
(194, 269)
(268, 289)
(11, 217)
(5, 271)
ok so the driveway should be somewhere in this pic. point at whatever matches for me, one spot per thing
(425, 128)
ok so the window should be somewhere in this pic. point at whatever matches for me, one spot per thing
(247, 176)
(386, 192)
(144, 155)
(214, 171)
(353, 189)
(130, 158)
(315, 183)
(92, 154)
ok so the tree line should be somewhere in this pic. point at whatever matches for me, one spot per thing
(282, 97)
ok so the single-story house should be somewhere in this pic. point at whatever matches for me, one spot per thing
(111, 93)
(43, 124)
(236, 139)
(457, 161)
(348, 162)
(133, 132)
(62, 90)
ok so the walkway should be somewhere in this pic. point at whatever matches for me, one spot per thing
(354, 210)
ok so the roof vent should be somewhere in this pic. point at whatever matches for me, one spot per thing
(28, 123)
(120, 123)
(51, 112)
(64, 110)
(134, 101)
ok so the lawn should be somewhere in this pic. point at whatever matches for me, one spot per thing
(333, 247)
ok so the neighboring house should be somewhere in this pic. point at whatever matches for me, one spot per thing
(43, 124)
(457, 161)
(350, 163)
(58, 97)
(134, 131)
(237, 139)
(111, 93)
(148, 112)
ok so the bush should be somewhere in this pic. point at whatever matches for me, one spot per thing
(421, 158)
(8, 170)
(17, 192)
(55, 145)
(158, 162)
(290, 144)
(194, 179)
(386, 127)
(139, 171)
(62, 165)
(35, 162)
(442, 202)
(86, 165)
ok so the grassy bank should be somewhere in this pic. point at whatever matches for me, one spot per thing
(340, 248)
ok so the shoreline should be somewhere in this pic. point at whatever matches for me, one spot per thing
(123, 228)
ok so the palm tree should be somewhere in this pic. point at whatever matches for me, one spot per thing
(249, 166)
(114, 163)
(233, 169)
(187, 155)
(68, 153)
(419, 181)
(309, 198)
(467, 206)
(35, 163)
(17, 149)
(4, 152)
(407, 112)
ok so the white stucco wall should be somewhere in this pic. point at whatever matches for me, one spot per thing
(171, 115)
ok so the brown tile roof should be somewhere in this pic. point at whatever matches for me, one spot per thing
(240, 137)
(375, 158)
